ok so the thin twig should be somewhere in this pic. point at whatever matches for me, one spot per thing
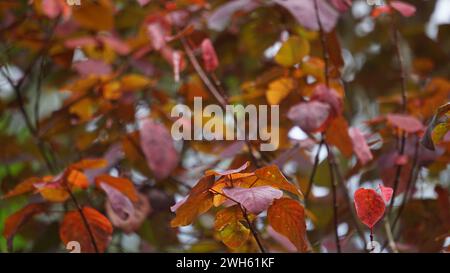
(404, 108)
(335, 205)
(214, 91)
(323, 43)
(314, 170)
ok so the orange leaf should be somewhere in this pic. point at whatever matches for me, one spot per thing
(73, 228)
(90, 163)
(122, 184)
(23, 187)
(77, 179)
(18, 219)
(287, 217)
(230, 227)
(337, 135)
(271, 176)
(199, 201)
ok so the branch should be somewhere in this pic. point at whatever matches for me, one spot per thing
(314, 170)
(343, 187)
(404, 106)
(331, 163)
(214, 91)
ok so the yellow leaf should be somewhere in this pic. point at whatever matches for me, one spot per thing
(84, 109)
(56, 194)
(111, 90)
(90, 163)
(292, 51)
(279, 89)
(134, 82)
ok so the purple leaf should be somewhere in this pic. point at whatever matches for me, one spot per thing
(310, 116)
(360, 146)
(221, 16)
(157, 145)
(305, 13)
(92, 67)
(120, 204)
(143, 2)
(256, 199)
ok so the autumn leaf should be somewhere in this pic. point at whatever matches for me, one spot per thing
(90, 163)
(304, 13)
(278, 90)
(228, 172)
(157, 145)
(135, 215)
(119, 203)
(15, 221)
(310, 116)
(360, 146)
(272, 176)
(438, 127)
(406, 123)
(255, 199)
(23, 187)
(292, 51)
(121, 184)
(199, 201)
(369, 206)
(403, 8)
(73, 228)
(338, 135)
(230, 226)
(386, 193)
(95, 16)
(287, 217)
(132, 82)
(210, 60)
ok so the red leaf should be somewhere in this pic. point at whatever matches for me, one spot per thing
(405, 9)
(256, 199)
(157, 145)
(386, 192)
(369, 206)
(381, 10)
(360, 146)
(209, 56)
